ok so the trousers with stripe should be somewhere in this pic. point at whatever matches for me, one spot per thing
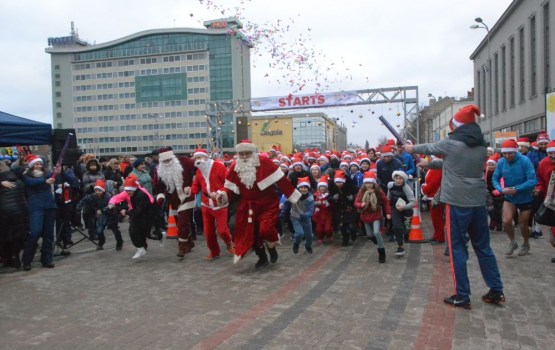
(474, 221)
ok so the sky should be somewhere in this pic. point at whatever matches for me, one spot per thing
(301, 47)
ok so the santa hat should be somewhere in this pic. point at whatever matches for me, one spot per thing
(369, 177)
(387, 151)
(551, 146)
(401, 174)
(276, 161)
(327, 152)
(343, 164)
(509, 146)
(311, 155)
(491, 160)
(130, 183)
(245, 146)
(284, 166)
(166, 155)
(364, 158)
(534, 145)
(491, 149)
(303, 181)
(100, 185)
(542, 137)
(354, 162)
(324, 159)
(523, 141)
(297, 161)
(340, 176)
(285, 159)
(347, 155)
(390, 142)
(323, 181)
(31, 159)
(465, 115)
(315, 166)
(200, 153)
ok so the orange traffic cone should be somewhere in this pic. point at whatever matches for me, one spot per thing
(415, 233)
(172, 225)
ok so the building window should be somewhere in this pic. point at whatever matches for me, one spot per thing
(58, 114)
(533, 66)
(521, 65)
(546, 48)
(59, 125)
(512, 72)
(503, 78)
(57, 76)
(57, 83)
(496, 83)
(58, 105)
(58, 94)
(57, 67)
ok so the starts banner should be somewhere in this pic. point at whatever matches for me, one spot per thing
(342, 98)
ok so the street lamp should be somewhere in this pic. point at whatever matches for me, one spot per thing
(489, 103)
(156, 129)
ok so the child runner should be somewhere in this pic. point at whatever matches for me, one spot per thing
(323, 212)
(400, 196)
(301, 216)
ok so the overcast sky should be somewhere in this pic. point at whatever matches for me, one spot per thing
(341, 45)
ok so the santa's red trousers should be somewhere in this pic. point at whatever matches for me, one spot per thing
(215, 220)
(324, 227)
(261, 227)
(438, 221)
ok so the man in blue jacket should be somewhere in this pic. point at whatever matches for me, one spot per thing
(519, 179)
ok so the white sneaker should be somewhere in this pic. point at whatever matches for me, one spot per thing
(163, 240)
(511, 248)
(140, 252)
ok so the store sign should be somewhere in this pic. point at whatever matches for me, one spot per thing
(61, 41)
(221, 24)
(264, 131)
(504, 136)
(304, 101)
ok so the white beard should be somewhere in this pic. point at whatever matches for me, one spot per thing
(171, 174)
(246, 169)
(204, 167)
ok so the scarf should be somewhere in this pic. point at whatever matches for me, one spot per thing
(370, 197)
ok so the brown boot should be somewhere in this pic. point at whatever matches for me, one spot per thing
(189, 245)
(182, 249)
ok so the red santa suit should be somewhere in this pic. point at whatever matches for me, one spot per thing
(430, 189)
(258, 206)
(179, 200)
(323, 212)
(210, 178)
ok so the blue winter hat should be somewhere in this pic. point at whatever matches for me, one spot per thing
(138, 162)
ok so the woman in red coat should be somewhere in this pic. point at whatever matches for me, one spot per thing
(370, 200)
(430, 188)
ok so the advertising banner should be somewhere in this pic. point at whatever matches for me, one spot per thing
(502, 136)
(342, 98)
(550, 114)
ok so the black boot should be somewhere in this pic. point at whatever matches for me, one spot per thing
(262, 258)
(381, 255)
(273, 255)
(101, 241)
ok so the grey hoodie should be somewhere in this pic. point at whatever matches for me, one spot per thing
(465, 154)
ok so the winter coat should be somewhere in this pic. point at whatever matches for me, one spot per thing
(546, 167)
(39, 193)
(405, 192)
(385, 171)
(303, 209)
(462, 182)
(520, 174)
(366, 214)
(144, 179)
(12, 200)
(536, 157)
(408, 163)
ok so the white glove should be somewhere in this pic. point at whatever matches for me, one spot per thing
(58, 191)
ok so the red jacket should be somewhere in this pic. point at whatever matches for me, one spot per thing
(216, 180)
(545, 168)
(431, 182)
(370, 216)
(323, 208)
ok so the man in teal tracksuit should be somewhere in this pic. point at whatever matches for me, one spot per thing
(463, 190)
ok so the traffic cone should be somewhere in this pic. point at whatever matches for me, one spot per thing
(415, 233)
(172, 225)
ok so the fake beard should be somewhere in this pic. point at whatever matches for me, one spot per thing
(36, 173)
(171, 174)
(204, 166)
(246, 169)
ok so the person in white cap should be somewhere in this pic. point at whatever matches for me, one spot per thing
(173, 176)
(251, 178)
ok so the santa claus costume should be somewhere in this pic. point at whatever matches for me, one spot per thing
(251, 178)
(430, 188)
(210, 178)
(173, 176)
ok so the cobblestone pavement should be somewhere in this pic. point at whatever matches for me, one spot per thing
(337, 298)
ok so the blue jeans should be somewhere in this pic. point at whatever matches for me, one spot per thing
(473, 220)
(373, 228)
(303, 227)
(41, 224)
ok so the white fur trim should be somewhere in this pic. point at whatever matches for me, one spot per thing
(369, 180)
(203, 154)
(31, 163)
(270, 179)
(322, 184)
(129, 188)
(160, 195)
(550, 149)
(527, 144)
(401, 174)
(294, 197)
(245, 147)
(456, 124)
(340, 179)
(505, 150)
(231, 186)
(303, 184)
(166, 155)
(385, 154)
(491, 161)
(236, 259)
(187, 205)
(99, 188)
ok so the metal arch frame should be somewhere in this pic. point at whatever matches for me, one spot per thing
(216, 111)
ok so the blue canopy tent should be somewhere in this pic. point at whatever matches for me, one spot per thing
(24, 132)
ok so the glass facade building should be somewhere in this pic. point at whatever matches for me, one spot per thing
(149, 89)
